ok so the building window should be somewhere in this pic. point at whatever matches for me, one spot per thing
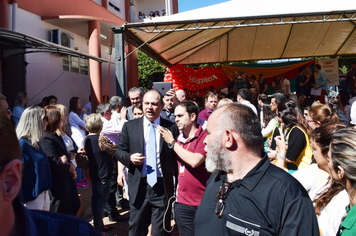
(76, 64)
(115, 5)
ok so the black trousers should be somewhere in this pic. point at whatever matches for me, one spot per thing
(184, 218)
(111, 203)
(148, 209)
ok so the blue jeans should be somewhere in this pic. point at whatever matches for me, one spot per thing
(80, 175)
(100, 195)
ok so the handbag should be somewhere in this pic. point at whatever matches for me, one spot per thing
(82, 161)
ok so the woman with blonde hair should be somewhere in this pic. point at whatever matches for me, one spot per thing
(36, 178)
(68, 141)
(223, 102)
(342, 168)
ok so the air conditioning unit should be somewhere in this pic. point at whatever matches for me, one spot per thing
(63, 38)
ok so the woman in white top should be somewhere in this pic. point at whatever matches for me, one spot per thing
(329, 197)
(269, 122)
(77, 126)
(285, 86)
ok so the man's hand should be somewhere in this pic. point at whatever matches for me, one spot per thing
(123, 113)
(121, 178)
(137, 159)
(63, 159)
(166, 134)
(272, 154)
(172, 93)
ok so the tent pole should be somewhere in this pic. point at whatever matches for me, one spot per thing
(120, 63)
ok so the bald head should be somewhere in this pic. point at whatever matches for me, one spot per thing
(152, 104)
(180, 95)
(242, 120)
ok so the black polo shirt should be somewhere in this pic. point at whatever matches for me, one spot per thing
(267, 201)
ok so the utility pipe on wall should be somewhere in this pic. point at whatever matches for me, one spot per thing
(14, 10)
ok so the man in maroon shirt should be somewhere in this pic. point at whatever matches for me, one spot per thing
(211, 102)
(192, 175)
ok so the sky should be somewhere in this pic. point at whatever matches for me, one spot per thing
(187, 5)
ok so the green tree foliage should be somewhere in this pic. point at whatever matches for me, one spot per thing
(147, 66)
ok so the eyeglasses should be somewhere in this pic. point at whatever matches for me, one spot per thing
(221, 195)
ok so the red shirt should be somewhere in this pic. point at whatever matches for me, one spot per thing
(192, 181)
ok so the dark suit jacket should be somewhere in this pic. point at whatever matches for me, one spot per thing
(132, 141)
(64, 197)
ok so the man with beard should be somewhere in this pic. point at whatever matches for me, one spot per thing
(190, 154)
(247, 195)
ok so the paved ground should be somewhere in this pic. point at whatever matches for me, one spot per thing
(118, 228)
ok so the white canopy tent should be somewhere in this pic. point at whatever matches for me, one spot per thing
(249, 30)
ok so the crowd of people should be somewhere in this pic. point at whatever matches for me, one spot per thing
(239, 162)
(151, 15)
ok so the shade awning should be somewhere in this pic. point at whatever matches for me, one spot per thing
(249, 30)
(14, 40)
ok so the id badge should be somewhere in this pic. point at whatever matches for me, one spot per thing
(181, 170)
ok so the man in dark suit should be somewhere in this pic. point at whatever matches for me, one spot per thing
(150, 168)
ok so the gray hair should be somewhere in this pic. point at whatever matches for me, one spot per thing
(242, 120)
(343, 153)
(114, 101)
(19, 97)
(102, 108)
(30, 125)
(135, 89)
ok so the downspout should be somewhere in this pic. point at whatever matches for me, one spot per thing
(14, 10)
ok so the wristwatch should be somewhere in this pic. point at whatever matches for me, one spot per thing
(171, 144)
(281, 158)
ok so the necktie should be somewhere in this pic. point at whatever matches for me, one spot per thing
(151, 161)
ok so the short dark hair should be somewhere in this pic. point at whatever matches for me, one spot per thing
(191, 108)
(301, 69)
(54, 118)
(318, 66)
(9, 146)
(279, 97)
(244, 93)
(49, 98)
(242, 72)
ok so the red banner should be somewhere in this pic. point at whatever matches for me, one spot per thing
(195, 81)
